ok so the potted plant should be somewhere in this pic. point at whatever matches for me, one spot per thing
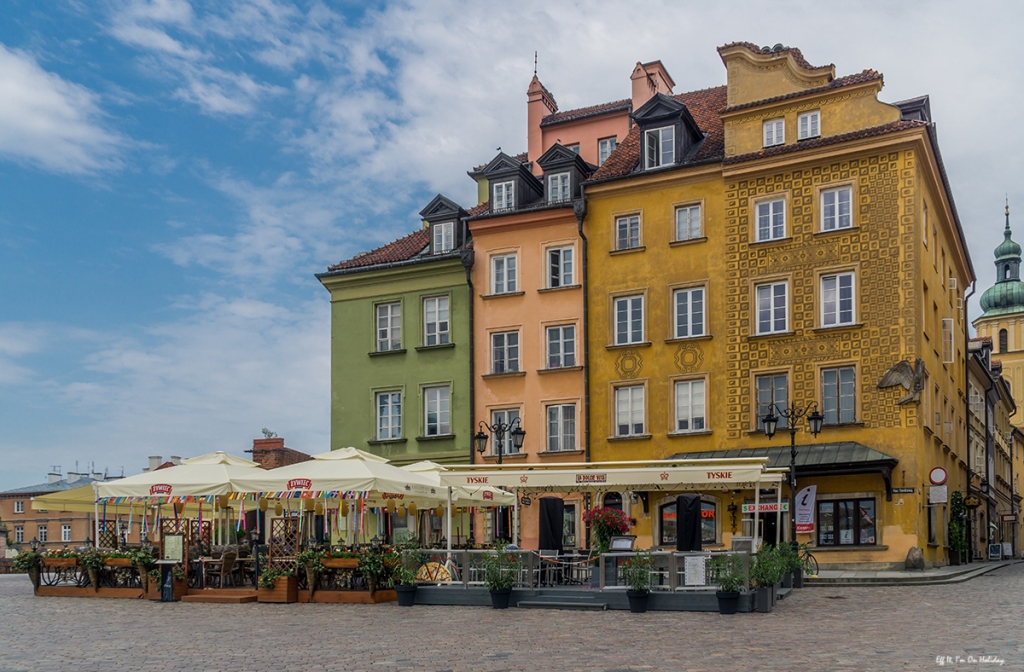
(957, 536)
(93, 562)
(61, 558)
(340, 559)
(405, 586)
(143, 561)
(118, 559)
(789, 564)
(312, 561)
(501, 570)
(764, 575)
(372, 568)
(729, 572)
(604, 523)
(277, 585)
(636, 571)
(29, 562)
(153, 586)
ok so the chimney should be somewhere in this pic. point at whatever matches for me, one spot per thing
(649, 79)
(175, 460)
(75, 477)
(539, 104)
(154, 462)
(272, 453)
(97, 476)
(54, 476)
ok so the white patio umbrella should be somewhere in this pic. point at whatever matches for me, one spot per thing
(201, 476)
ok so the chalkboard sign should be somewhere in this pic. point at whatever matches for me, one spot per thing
(995, 551)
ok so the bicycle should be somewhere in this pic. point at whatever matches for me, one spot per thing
(808, 561)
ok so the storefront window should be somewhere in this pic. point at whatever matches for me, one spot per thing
(569, 525)
(668, 525)
(849, 522)
(708, 530)
(708, 533)
(613, 500)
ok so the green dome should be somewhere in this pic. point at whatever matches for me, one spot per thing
(1007, 250)
(1007, 295)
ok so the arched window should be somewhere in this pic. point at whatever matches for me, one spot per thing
(613, 500)
(1006, 272)
(1004, 341)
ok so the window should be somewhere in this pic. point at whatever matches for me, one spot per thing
(947, 340)
(708, 531)
(504, 277)
(661, 146)
(690, 405)
(389, 327)
(1004, 345)
(689, 309)
(504, 196)
(65, 533)
(688, 222)
(435, 320)
(627, 232)
(835, 209)
(561, 346)
(774, 132)
(504, 417)
(558, 187)
(772, 391)
(924, 224)
(837, 300)
(772, 315)
(771, 220)
(437, 411)
(19, 534)
(853, 519)
(560, 270)
(629, 410)
(629, 320)
(505, 352)
(19, 506)
(561, 427)
(574, 148)
(444, 237)
(670, 524)
(569, 525)
(389, 415)
(41, 534)
(613, 500)
(838, 395)
(605, 147)
(808, 125)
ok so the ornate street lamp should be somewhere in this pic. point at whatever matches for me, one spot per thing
(792, 415)
(499, 430)
(34, 544)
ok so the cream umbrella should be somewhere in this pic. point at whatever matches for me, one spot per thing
(203, 476)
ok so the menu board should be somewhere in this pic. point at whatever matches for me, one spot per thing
(694, 570)
(174, 547)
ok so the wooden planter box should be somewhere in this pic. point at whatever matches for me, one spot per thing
(118, 562)
(61, 562)
(285, 591)
(341, 563)
(179, 589)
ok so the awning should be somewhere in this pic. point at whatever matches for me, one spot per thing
(203, 476)
(821, 459)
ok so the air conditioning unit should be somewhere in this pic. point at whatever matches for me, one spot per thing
(952, 283)
(959, 303)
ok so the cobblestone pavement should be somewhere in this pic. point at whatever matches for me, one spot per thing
(891, 628)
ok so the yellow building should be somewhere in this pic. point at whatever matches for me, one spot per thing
(786, 238)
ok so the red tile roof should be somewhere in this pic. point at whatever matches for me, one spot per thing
(848, 80)
(479, 209)
(623, 105)
(403, 249)
(824, 142)
(797, 56)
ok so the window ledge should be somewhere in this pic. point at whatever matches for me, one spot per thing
(684, 339)
(509, 374)
(379, 442)
(444, 346)
(787, 239)
(774, 334)
(504, 457)
(487, 297)
(848, 548)
(545, 290)
(841, 425)
(560, 368)
(438, 437)
(628, 250)
(548, 453)
(634, 437)
(689, 241)
(832, 232)
(809, 137)
(382, 353)
(642, 344)
(838, 327)
(676, 435)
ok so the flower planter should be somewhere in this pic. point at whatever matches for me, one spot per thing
(61, 562)
(787, 580)
(500, 598)
(406, 595)
(341, 563)
(94, 578)
(118, 562)
(637, 601)
(728, 603)
(285, 591)
(955, 558)
(798, 578)
(764, 599)
(33, 576)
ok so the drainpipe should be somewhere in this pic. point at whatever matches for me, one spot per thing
(969, 531)
(467, 264)
(579, 208)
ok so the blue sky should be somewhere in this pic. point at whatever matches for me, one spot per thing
(172, 174)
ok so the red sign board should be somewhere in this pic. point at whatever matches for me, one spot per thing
(299, 484)
(1009, 517)
(488, 494)
(160, 489)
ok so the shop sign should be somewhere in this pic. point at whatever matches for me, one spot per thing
(995, 551)
(937, 476)
(591, 478)
(938, 494)
(388, 495)
(805, 509)
(972, 502)
(525, 501)
(772, 507)
(903, 491)
(1009, 517)
(299, 484)
(488, 495)
(160, 489)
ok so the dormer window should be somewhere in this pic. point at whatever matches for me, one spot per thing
(504, 196)
(558, 188)
(808, 125)
(444, 237)
(661, 147)
(774, 132)
(605, 147)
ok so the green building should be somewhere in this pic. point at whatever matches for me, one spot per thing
(400, 344)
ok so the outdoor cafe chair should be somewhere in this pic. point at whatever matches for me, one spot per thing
(222, 570)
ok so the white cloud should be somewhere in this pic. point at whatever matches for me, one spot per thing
(52, 123)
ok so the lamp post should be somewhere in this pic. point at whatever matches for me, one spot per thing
(499, 430)
(34, 544)
(792, 415)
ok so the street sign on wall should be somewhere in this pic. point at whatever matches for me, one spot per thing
(938, 494)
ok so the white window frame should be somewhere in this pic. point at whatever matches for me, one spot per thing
(776, 301)
(832, 216)
(504, 273)
(947, 340)
(558, 188)
(630, 403)
(625, 228)
(505, 352)
(19, 534)
(690, 406)
(19, 506)
(42, 534)
(832, 309)
(391, 401)
(808, 125)
(605, 147)
(444, 237)
(692, 323)
(689, 222)
(838, 396)
(503, 196)
(504, 416)
(634, 332)
(774, 401)
(563, 418)
(65, 532)
(561, 266)
(437, 401)
(436, 320)
(767, 214)
(774, 131)
(388, 326)
(560, 344)
(574, 148)
(664, 150)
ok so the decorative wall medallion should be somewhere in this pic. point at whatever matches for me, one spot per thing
(689, 357)
(629, 364)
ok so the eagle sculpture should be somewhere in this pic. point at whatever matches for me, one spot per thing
(910, 377)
